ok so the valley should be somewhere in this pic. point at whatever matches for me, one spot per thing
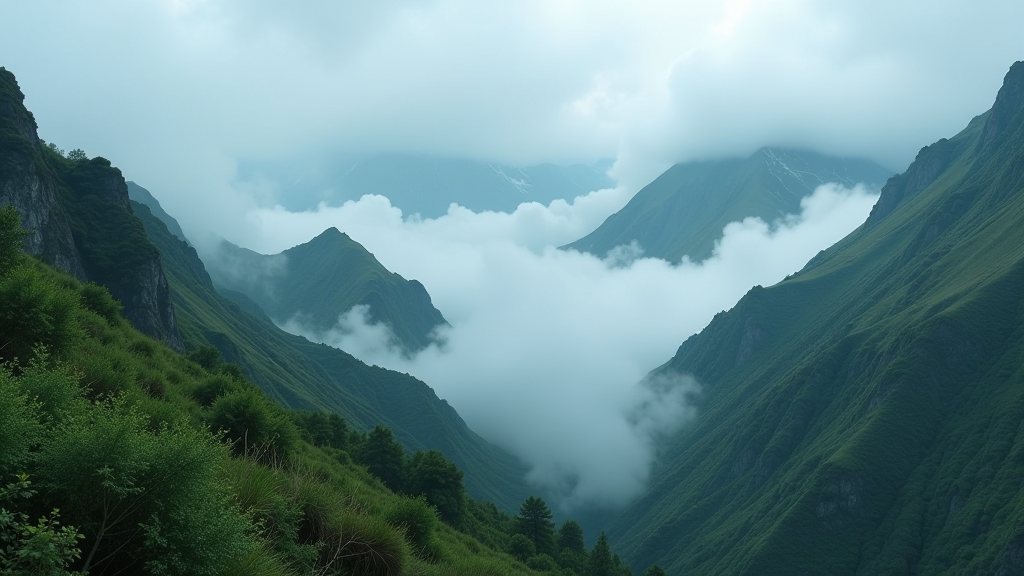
(498, 291)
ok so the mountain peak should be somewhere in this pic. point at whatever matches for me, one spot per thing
(1009, 103)
(329, 234)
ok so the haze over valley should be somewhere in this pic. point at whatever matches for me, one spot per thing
(731, 284)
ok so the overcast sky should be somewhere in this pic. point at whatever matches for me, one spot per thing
(179, 94)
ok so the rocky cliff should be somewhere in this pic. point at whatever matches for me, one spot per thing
(81, 218)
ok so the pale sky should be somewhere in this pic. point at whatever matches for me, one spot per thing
(179, 93)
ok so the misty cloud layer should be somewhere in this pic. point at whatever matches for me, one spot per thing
(546, 347)
(180, 93)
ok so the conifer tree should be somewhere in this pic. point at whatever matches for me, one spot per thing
(600, 562)
(383, 456)
(439, 480)
(570, 537)
(534, 522)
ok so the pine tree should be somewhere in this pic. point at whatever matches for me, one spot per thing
(383, 456)
(439, 480)
(534, 522)
(570, 537)
(600, 562)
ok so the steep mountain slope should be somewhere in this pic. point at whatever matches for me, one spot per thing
(301, 374)
(427, 185)
(684, 210)
(81, 218)
(864, 416)
(143, 196)
(317, 281)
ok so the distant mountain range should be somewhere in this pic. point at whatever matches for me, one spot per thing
(683, 211)
(864, 416)
(428, 185)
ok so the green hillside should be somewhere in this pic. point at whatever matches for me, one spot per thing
(683, 211)
(120, 456)
(301, 374)
(864, 416)
(317, 281)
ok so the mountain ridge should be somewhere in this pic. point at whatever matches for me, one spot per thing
(683, 211)
(862, 415)
(316, 282)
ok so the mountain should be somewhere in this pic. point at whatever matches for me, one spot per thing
(143, 196)
(427, 185)
(301, 374)
(81, 218)
(317, 281)
(683, 211)
(864, 416)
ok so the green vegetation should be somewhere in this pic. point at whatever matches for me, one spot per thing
(105, 437)
(317, 281)
(302, 375)
(863, 416)
(133, 458)
(684, 210)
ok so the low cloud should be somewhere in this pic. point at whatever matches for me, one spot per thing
(548, 350)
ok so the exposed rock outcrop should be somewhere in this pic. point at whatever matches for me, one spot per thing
(81, 219)
(28, 184)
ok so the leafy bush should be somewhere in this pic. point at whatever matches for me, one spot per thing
(253, 424)
(41, 549)
(19, 426)
(144, 499)
(439, 480)
(213, 387)
(417, 518)
(11, 236)
(98, 299)
(34, 312)
(521, 547)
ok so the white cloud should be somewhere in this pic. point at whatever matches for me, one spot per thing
(546, 347)
(178, 93)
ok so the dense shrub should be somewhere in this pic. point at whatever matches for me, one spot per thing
(213, 387)
(416, 518)
(98, 299)
(144, 499)
(253, 424)
(34, 312)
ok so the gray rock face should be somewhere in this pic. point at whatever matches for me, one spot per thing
(26, 184)
(146, 297)
(47, 190)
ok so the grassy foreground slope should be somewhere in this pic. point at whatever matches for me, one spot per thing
(301, 374)
(684, 210)
(864, 416)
